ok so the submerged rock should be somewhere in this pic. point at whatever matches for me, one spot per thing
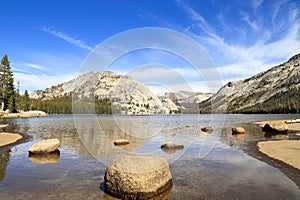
(45, 146)
(121, 142)
(238, 130)
(171, 145)
(207, 129)
(276, 126)
(137, 177)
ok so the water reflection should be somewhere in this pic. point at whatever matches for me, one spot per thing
(270, 135)
(99, 139)
(4, 161)
(170, 151)
(165, 196)
(46, 158)
(225, 173)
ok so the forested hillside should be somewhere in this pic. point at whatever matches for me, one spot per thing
(63, 105)
(283, 102)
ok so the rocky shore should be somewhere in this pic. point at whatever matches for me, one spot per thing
(32, 113)
(287, 151)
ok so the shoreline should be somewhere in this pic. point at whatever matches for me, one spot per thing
(32, 113)
(9, 138)
(289, 170)
(287, 151)
(283, 154)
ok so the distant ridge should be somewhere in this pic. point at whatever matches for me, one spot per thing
(274, 91)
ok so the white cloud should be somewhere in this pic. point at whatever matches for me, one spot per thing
(252, 24)
(16, 69)
(276, 7)
(193, 14)
(61, 67)
(52, 63)
(161, 79)
(262, 48)
(67, 38)
(33, 81)
(36, 66)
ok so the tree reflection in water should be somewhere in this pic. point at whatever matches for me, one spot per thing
(4, 160)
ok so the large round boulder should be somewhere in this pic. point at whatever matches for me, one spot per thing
(45, 146)
(137, 177)
(275, 126)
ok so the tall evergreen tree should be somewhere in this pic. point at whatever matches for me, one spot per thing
(26, 101)
(6, 83)
(11, 105)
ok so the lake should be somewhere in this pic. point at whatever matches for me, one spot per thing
(211, 165)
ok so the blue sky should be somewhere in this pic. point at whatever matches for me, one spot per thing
(47, 41)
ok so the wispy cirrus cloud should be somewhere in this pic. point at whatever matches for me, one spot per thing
(68, 38)
(256, 4)
(257, 44)
(252, 24)
(40, 70)
(32, 81)
(36, 66)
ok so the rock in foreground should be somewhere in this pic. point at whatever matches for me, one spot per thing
(45, 146)
(121, 142)
(238, 130)
(275, 126)
(137, 177)
(171, 145)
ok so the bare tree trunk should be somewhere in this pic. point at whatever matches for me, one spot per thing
(3, 102)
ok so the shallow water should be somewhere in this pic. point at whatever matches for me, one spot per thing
(211, 166)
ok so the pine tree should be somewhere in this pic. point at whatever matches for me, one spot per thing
(6, 83)
(26, 101)
(11, 105)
